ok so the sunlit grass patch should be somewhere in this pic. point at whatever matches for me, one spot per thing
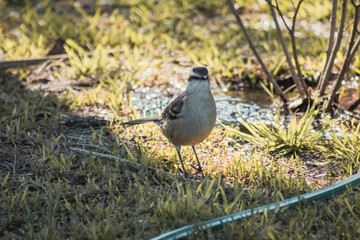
(50, 191)
(82, 65)
(211, 38)
(346, 147)
(284, 138)
(22, 46)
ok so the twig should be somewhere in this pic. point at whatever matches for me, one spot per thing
(121, 160)
(14, 163)
(286, 165)
(36, 61)
(280, 13)
(293, 44)
(290, 88)
(346, 64)
(32, 61)
(111, 157)
(332, 34)
(354, 4)
(357, 43)
(257, 55)
(327, 71)
(355, 48)
(354, 105)
(287, 55)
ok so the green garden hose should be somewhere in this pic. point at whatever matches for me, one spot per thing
(317, 195)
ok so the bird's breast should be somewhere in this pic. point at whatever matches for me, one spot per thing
(195, 123)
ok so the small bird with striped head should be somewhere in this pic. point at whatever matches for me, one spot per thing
(188, 119)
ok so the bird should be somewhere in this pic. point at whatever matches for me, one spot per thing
(189, 118)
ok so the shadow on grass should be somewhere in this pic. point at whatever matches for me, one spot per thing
(48, 191)
(46, 188)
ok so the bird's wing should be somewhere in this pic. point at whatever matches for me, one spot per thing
(173, 110)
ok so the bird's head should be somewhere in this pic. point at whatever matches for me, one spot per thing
(199, 73)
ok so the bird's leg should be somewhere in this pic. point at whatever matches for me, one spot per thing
(182, 164)
(199, 169)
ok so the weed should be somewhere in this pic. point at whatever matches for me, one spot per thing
(296, 137)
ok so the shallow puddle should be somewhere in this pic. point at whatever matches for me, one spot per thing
(250, 104)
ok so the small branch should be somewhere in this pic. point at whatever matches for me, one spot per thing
(354, 105)
(355, 4)
(111, 157)
(280, 13)
(121, 160)
(332, 33)
(355, 48)
(295, 55)
(290, 88)
(257, 55)
(327, 71)
(346, 64)
(36, 61)
(293, 41)
(29, 62)
(295, 15)
(14, 163)
(288, 58)
(357, 43)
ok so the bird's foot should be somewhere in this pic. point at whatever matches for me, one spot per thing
(198, 169)
(183, 172)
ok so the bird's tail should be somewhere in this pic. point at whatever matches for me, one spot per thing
(141, 121)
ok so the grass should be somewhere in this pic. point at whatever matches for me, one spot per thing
(49, 190)
(297, 136)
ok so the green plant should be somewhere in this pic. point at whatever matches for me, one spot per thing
(346, 146)
(83, 65)
(295, 137)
